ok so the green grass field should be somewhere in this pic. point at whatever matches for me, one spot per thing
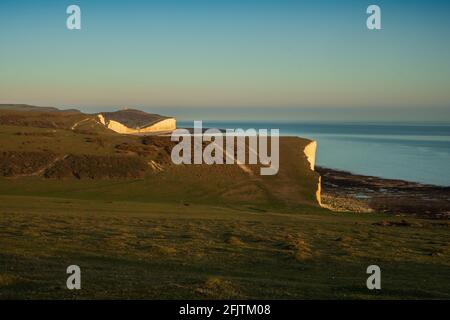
(167, 251)
(191, 232)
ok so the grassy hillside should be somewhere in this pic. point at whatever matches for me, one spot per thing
(74, 156)
(72, 192)
(162, 250)
(26, 107)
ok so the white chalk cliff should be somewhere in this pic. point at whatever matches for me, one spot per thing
(136, 122)
(310, 153)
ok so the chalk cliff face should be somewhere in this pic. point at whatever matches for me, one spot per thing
(310, 153)
(163, 125)
(136, 122)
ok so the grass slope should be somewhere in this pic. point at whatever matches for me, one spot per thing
(188, 231)
(161, 250)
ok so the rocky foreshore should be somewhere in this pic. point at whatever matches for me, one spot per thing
(346, 192)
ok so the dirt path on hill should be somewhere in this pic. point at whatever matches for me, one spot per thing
(78, 123)
(42, 170)
(243, 166)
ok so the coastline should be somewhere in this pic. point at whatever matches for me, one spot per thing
(344, 191)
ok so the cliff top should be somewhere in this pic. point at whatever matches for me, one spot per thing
(26, 107)
(133, 118)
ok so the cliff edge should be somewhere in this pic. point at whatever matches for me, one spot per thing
(130, 121)
(310, 153)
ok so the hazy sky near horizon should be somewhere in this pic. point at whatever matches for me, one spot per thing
(314, 55)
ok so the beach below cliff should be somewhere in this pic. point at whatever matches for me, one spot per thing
(347, 192)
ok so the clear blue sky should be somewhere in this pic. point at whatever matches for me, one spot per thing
(237, 55)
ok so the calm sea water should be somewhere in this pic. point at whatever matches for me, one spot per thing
(408, 151)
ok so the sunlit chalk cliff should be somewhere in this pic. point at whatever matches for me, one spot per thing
(131, 121)
(310, 153)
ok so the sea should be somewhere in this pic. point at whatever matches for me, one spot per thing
(418, 152)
